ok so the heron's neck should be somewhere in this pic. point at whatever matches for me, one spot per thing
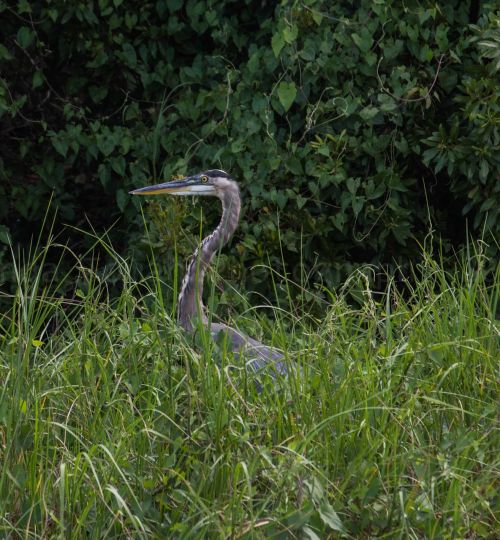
(190, 303)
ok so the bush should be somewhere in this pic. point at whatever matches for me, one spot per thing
(353, 124)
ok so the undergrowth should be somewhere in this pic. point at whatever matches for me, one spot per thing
(113, 424)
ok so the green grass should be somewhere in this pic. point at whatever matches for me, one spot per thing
(112, 425)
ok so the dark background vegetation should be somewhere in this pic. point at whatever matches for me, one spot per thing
(353, 127)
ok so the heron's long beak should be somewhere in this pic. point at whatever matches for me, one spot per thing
(186, 186)
(177, 187)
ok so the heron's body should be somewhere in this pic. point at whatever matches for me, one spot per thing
(256, 356)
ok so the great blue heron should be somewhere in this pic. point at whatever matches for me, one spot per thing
(257, 356)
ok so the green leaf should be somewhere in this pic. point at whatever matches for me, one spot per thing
(317, 17)
(253, 64)
(173, 5)
(118, 165)
(387, 103)
(392, 49)
(301, 201)
(364, 41)
(37, 79)
(211, 17)
(281, 199)
(290, 33)
(277, 43)
(106, 144)
(126, 143)
(441, 162)
(368, 113)
(484, 169)
(426, 54)
(353, 184)
(425, 14)
(441, 37)
(330, 517)
(97, 93)
(309, 533)
(412, 32)
(339, 220)
(430, 154)
(61, 145)
(287, 91)
(487, 204)
(53, 13)
(23, 6)
(237, 146)
(130, 20)
(129, 53)
(121, 199)
(4, 234)
(25, 37)
(357, 205)
(4, 53)
(104, 174)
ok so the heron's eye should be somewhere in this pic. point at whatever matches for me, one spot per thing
(204, 179)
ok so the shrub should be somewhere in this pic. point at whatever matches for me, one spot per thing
(353, 124)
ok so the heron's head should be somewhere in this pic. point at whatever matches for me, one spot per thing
(213, 182)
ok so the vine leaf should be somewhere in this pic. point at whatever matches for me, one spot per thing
(287, 91)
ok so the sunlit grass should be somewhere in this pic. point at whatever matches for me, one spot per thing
(113, 424)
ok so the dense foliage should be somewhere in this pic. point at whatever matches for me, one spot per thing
(348, 124)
